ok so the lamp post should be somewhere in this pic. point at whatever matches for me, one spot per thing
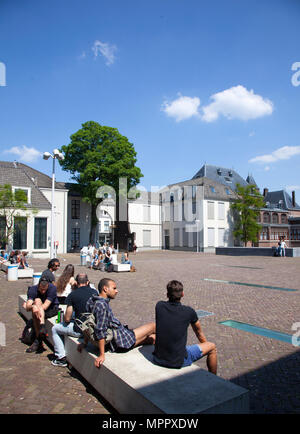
(56, 155)
(197, 228)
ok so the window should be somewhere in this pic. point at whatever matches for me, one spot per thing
(146, 213)
(221, 236)
(20, 233)
(75, 209)
(275, 218)
(25, 190)
(221, 211)
(227, 191)
(211, 237)
(2, 231)
(40, 233)
(212, 189)
(185, 238)
(75, 238)
(106, 225)
(146, 238)
(210, 210)
(266, 217)
(283, 219)
(176, 237)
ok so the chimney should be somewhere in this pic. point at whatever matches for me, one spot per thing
(266, 191)
(293, 199)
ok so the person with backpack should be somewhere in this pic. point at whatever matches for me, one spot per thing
(123, 338)
(76, 303)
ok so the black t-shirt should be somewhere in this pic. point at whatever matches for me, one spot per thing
(49, 275)
(78, 299)
(50, 294)
(172, 322)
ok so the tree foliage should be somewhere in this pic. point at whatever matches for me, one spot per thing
(246, 208)
(96, 156)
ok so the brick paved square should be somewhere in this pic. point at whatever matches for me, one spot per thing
(267, 367)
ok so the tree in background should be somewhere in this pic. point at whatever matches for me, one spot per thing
(99, 156)
(246, 208)
(11, 203)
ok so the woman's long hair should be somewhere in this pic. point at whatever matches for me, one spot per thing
(64, 279)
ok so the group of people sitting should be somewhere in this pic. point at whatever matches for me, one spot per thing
(15, 257)
(168, 333)
(101, 259)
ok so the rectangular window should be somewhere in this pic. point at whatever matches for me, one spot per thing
(221, 210)
(75, 209)
(146, 213)
(75, 238)
(146, 238)
(20, 233)
(211, 237)
(210, 210)
(185, 238)
(106, 225)
(221, 236)
(176, 237)
(25, 190)
(40, 233)
(2, 231)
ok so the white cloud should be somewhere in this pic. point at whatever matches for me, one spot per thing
(283, 153)
(237, 103)
(24, 153)
(182, 108)
(106, 50)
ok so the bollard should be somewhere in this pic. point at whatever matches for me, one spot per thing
(35, 278)
(82, 259)
(12, 272)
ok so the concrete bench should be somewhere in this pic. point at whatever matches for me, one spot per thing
(121, 267)
(132, 384)
(22, 273)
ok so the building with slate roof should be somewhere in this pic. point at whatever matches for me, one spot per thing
(33, 226)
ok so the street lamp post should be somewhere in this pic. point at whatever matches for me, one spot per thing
(56, 155)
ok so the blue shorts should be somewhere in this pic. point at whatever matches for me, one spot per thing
(194, 353)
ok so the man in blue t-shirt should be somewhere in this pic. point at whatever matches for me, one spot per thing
(42, 301)
(172, 322)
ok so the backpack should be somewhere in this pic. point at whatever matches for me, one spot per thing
(87, 327)
(28, 334)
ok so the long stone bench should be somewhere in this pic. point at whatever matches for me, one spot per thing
(22, 273)
(132, 384)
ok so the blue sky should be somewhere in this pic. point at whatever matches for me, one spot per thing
(187, 81)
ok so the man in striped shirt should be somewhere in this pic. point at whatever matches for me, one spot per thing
(124, 338)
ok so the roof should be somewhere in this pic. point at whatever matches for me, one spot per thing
(280, 199)
(221, 191)
(40, 179)
(16, 176)
(225, 176)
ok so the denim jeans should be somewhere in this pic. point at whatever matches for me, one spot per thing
(58, 333)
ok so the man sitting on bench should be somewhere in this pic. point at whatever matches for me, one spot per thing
(124, 338)
(172, 322)
(43, 303)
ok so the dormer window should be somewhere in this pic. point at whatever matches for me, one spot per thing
(230, 173)
(219, 172)
(26, 190)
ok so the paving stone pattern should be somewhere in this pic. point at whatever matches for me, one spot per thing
(29, 384)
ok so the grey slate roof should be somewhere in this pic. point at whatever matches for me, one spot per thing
(274, 198)
(18, 177)
(225, 176)
(221, 190)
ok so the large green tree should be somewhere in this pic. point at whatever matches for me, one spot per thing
(99, 156)
(246, 210)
